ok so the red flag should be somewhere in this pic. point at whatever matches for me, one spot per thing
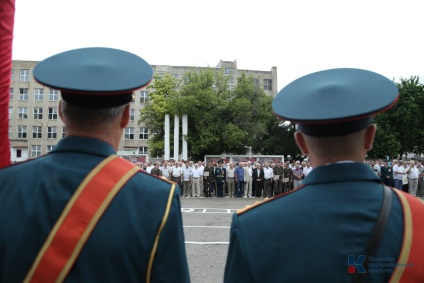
(7, 16)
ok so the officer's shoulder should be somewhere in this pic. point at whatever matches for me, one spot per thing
(258, 205)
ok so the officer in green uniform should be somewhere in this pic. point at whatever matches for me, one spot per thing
(278, 184)
(219, 180)
(132, 240)
(207, 179)
(156, 171)
(287, 178)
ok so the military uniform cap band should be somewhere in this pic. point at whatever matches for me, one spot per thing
(339, 129)
(97, 101)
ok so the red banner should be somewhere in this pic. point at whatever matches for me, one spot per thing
(7, 16)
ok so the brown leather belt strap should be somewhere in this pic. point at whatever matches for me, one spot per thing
(78, 219)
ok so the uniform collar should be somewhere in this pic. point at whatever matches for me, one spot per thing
(341, 172)
(84, 145)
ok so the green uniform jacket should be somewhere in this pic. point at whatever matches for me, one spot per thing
(34, 193)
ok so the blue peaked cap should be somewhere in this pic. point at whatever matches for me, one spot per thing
(335, 102)
(94, 77)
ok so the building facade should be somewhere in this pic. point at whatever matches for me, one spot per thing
(35, 126)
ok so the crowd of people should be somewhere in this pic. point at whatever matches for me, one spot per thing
(400, 174)
(242, 179)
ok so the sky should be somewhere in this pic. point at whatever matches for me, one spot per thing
(296, 36)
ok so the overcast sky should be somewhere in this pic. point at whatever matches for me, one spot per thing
(296, 36)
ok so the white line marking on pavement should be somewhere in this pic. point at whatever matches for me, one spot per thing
(207, 243)
(209, 210)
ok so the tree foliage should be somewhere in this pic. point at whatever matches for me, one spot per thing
(220, 120)
(400, 130)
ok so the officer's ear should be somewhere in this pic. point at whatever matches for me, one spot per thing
(369, 136)
(125, 116)
(300, 141)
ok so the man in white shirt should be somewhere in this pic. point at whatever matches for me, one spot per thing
(149, 167)
(413, 174)
(268, 174)
(398, 172)
(196, 174)
(307, 169)
(187, 181)
(177, 171)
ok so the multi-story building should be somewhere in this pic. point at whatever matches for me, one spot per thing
(35, 126)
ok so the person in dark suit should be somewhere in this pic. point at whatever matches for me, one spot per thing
(81, 213)
(342, 224)
(258, 180)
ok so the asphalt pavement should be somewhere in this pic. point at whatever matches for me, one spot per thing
(207, 223)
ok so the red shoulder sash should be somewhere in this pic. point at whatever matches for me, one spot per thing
(79, 218)
(410, 264)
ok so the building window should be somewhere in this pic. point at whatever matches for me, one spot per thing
(175, 76)
(38, 113)
(38, 94)
(53, 95)
(228, 70)
(10, 131)
(11, 93)
(129, 133)
(144, 96)
(230, 87)
(23, 94)
(52, 113)
(132, 111)
(49, 148)
(144, 134)
(35, 151)
(24, 76)
(52, 132)
(21, 132)
(63, 132)
(231, 79)
(142, 150)
(36, 132)
(22, 112)
(12, 75)
(267, 84)
(18, 153)
(10, 113)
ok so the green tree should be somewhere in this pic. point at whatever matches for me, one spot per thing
(400, 129)
(153, 114)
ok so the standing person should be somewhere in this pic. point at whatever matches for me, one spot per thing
(268, 174)
(385, 174)
(196, 174)
(398, 173)
(239, 174)
(176, 172)
(149, 167)
(231, 180)
(297, 175)
(219, 180)
(248, 184)
(187, 192)
(258, 180)
(420, 167)
(208, 176)
(413, 173)
(278, 177)
(166, 170)
(83, 216)
(335, 131)
(307, 169)
(287, 177)
(156, 170)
